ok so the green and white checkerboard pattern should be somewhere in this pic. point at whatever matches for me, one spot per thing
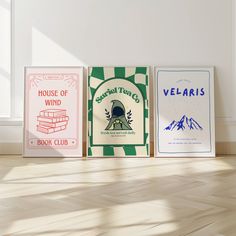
(137, 75)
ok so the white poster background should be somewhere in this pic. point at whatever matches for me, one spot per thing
(68, 82)
(173, 107)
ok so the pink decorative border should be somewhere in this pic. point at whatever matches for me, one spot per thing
(33, 80)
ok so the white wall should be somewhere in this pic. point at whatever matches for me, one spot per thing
(5, 57)
(131, 32)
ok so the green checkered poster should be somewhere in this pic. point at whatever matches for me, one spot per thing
(118, 112)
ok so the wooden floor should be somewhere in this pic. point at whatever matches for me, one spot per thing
(194, 197)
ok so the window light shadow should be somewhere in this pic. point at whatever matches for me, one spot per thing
(45, 51)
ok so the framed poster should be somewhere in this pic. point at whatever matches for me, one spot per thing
(53, 112)
(118, 112)
(184, 114)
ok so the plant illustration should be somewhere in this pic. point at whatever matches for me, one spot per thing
(129, 117)
(107, 113)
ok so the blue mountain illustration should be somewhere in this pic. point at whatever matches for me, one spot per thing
(184, 123)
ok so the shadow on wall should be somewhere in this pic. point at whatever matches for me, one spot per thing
(77, 32)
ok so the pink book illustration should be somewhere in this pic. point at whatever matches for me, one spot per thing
(53, 125)
(53, 112)
(52, 120)
(49, 130)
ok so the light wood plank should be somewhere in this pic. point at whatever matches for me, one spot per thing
(61, 197)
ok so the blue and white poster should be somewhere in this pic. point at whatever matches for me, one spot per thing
(184, 114)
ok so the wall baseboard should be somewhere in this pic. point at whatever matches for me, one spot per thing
(222, 148)
(11, 149)
(226, 148)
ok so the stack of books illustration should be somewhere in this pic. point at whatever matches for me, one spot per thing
(52, 120)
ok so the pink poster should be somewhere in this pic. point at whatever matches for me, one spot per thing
(53, 111)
